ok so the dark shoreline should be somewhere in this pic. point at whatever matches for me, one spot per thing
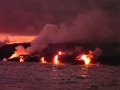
(109, 55)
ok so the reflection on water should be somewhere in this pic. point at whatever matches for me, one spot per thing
(34, 76)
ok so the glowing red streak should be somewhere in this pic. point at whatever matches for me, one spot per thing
(56, 57)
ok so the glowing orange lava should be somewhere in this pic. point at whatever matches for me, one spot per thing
(60, 53)
(4, 60)
(13, 56)
(56, 57)
(56, 61)
(85, 58)
(21, 59)
(43, 60)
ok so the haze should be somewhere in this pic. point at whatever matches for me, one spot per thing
(28, 17)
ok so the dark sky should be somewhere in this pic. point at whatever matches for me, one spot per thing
(27, 17)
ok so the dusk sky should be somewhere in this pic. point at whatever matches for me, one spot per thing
(28, 17)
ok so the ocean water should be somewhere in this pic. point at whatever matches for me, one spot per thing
(36, 76)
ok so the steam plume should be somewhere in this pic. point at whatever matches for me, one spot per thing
(88, 27)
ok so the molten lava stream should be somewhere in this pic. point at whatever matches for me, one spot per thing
(55, 60)
(21, 59)
(42, 60)
(13, 56)
(85, 58)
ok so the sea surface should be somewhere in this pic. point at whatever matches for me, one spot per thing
(36, 76)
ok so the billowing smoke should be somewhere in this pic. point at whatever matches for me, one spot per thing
(88, 27)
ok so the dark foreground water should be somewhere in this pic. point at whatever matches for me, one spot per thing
(35, 76)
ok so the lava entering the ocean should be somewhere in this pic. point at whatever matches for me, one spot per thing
(21, 59)
(42, 60)
(56, 55)
(13, 56)
(85, 58)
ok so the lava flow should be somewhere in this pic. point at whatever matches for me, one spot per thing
(18, 53)
(56, 57)
(86, 58)
(13, 56)
(21, 59)
(42, 60)
(55, 60)
(70, 56)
